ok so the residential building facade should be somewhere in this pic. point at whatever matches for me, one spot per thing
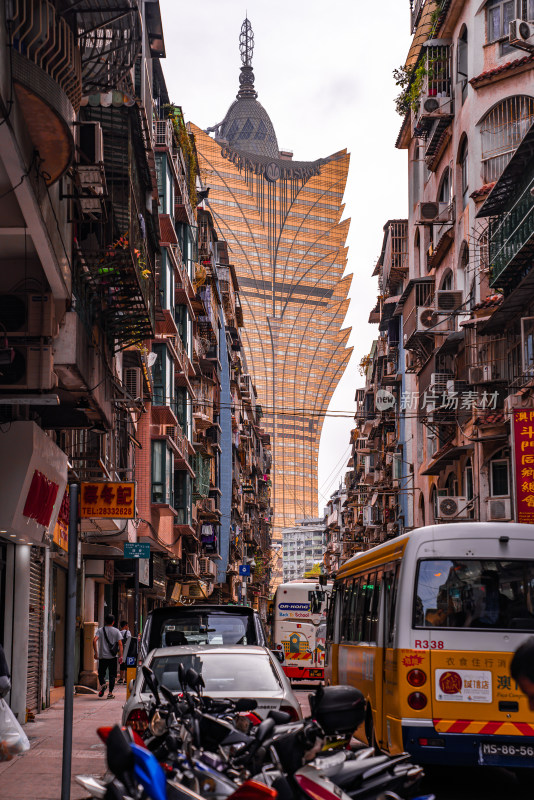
(303, 547)
(448, 377)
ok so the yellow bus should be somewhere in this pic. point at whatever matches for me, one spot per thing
(425, 626)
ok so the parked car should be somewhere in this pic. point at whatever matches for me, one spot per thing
(173, 626)
(232, 672)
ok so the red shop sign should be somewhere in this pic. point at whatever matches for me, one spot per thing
(524, 465)
(41, 498)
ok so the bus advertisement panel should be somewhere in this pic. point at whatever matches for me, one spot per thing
(299, 610)
(426, 626)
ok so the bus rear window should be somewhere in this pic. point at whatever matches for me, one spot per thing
(474, 593)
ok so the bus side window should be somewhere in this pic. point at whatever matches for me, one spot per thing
(391, 587)
(373, 626)
(353, 625)
(345, 619)
(367, 623)
(331, 616)
(359, 622)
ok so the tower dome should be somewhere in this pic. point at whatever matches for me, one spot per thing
(247, 125)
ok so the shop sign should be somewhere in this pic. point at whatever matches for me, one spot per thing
(107, 500)
(60, 534)
(524, 465)
(137, 550)
(40, 499)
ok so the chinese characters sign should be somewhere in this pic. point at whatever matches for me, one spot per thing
(107, 500)
(61, 529)
(524, 465)
(466, 685)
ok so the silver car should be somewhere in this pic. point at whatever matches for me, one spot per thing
(230, 671)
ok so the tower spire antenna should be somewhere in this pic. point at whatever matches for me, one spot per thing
(246, 49)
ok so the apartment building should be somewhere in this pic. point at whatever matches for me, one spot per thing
(447, 381)
(303, 547)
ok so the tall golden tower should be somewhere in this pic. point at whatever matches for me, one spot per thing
(281, 219)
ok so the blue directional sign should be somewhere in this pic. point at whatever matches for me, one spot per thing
(244, 570)
(137, 550)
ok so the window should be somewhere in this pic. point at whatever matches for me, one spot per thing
(163, 376)
(391, 585)
(183, 497)
(502, 129)
(527, 343)
(499, 15)
(464, 171)
(162, 473)
(444, 194)
(447, 283)
(474, 593)
(462, 64)
(166, 283)
(499, 472)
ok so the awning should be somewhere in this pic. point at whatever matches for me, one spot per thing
(445, 457)
(510, 307)
(451, 343)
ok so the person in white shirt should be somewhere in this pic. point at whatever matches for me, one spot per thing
(107, 646)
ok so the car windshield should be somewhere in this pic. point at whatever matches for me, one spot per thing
(203, 627)
(222, 672)
(475, 593)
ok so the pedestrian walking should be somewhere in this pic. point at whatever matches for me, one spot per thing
(5, 677)
(107, 646)
(522, 669)
(126, 639)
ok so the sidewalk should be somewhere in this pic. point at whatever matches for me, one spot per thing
(36, 775)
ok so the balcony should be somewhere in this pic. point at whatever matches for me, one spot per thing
(511, 241)
(47, 77)
(416, 299)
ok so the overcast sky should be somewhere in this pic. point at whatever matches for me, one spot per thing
(324, 74)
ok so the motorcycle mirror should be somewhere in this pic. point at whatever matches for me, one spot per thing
(181, 674)
(279, 655)
(152, 682)
(246, 704)
(192, 678)
(119, 753)
(168, 696)
(265, 729)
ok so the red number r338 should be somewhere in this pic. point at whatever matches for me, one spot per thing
(426, 645)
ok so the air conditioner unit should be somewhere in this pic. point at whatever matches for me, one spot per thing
(411, 361)
(31, 368)
(521, 34)
(427, 319)
(367, 515)
(429, 212)
(431, 106)
(133, 381)
(207, 566)
(448, 301)
(91, 143)
(500, 509)
(439, 381)
(452, 508)
(483, 374)
(24, 314)
(191, 564)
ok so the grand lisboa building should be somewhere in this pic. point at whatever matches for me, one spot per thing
(282, 221)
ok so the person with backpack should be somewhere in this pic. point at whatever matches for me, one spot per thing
(107, 645)
(126, 639)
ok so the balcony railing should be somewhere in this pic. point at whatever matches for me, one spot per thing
(41, 36)
(511, 239)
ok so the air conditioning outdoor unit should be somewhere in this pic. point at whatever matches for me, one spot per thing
(431, 106)
(191, 564)
(448, 301)
(439, 381)
(500, 509)
(427, 319)
(133, 381)
(23, 314)
(430, 212)
(31, 368)
(483, 374)
(521, 34)
(91, 143)
(207, 566)
(452, 508)
(367, 515)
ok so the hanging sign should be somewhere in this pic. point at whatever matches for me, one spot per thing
(524, 465)
(107, 500)
(61, 529)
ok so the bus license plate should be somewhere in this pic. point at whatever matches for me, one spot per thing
(316, 673)
(495, 753)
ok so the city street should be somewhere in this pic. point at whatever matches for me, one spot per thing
(37, 774)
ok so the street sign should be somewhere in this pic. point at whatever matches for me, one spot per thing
(107, 500)
(137, 550)
(244, 570)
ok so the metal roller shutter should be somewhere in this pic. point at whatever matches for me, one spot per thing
(35, 636)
